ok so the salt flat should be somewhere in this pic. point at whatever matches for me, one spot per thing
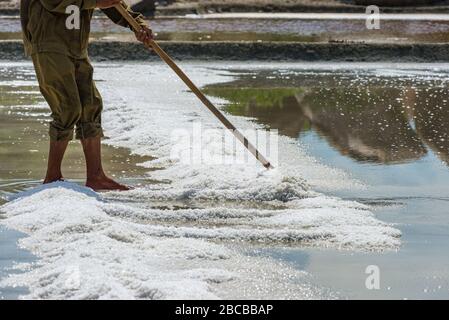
(185, 234)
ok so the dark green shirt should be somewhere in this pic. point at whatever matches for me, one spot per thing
(44, 25)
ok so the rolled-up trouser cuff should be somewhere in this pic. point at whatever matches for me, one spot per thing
(86, 130)
(60, 135)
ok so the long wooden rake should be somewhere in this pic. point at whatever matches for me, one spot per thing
(169, 61)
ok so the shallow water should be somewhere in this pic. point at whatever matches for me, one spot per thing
(23, 137)
(11, 255)
(236, 29)
(23, 154)
(386, 126)
(330, 209)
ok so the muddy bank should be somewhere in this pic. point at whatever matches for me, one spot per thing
(263, 51)
(183, 7)
(180, 8)
(202, 8)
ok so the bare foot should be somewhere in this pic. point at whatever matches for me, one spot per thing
(105, 183)
(53, 179)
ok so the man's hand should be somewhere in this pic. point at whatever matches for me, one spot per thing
(104, 4)
(144, 35)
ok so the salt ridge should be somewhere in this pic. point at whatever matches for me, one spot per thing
(122, 247)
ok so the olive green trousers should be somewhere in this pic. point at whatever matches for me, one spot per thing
(67, 85)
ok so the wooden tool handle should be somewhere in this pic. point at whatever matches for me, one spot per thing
(165, 57)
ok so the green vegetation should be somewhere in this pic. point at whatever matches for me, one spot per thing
(260, 97)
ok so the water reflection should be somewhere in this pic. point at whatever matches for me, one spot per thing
(431, 115)
(384, 121)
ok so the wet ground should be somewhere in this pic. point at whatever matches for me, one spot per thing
(23, 114)
(385, 125)
(388, 128)
(23, 152)
(270, 29)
